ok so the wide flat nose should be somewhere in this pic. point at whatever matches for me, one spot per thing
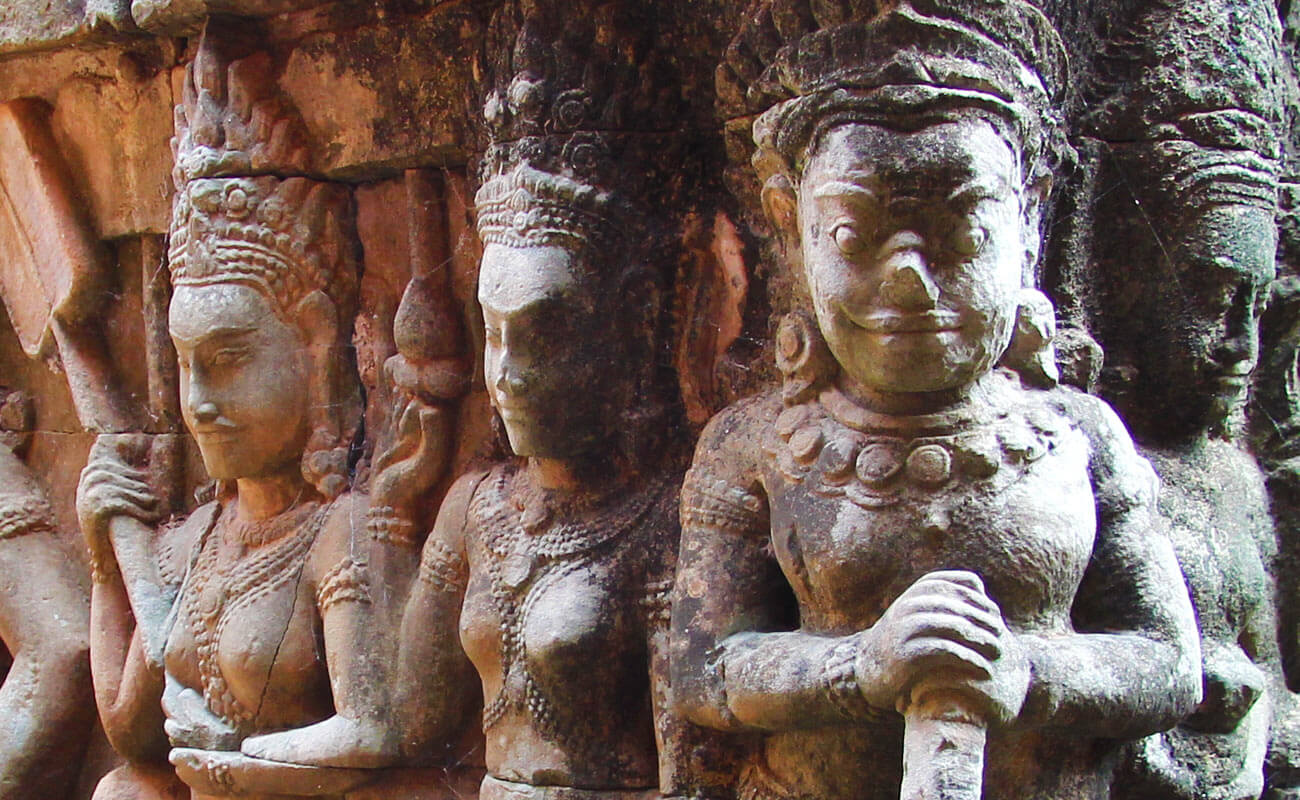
(907, 285)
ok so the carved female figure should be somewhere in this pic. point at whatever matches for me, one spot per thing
(1200, 156)
(544, 579)
(45, 695)
(267, 580)
(908, 526)
(1198, 358)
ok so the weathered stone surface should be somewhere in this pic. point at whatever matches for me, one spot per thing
(389, 95)
(547, 264)
(44, 24)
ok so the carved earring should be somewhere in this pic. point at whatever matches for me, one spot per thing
(1030, 352)
(803, 358)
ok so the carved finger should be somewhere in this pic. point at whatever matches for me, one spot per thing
(430, 450)
(961, 592)
(926, 655)
(131, 447)
(954, 628)
(103, 481)
(960, 577)
(96, 474)
(115, 507)
(408, 424)
(962, 607)
(104, 494)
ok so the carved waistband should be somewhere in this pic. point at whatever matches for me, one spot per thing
(497, 789)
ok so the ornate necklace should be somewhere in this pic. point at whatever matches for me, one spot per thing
(876, 461)
(258, 532)
(528, 548)
(525, 528)
(213, 591)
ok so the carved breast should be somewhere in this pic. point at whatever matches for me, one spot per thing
(560, 644)
(248, 636)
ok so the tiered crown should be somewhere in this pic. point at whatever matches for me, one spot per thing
(578, 123)
(236, 217)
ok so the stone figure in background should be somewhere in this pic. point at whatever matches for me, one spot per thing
(426, 376)
(1276, 403)
(545, 578)
(270, 599)
(45, 698)
(1184, 274)
(909, 549)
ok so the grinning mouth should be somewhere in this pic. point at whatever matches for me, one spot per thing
(894, 322)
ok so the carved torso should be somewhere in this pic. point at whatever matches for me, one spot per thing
(859, 506)
(1213, 500)
(557, 620)
(248, 626)
(849, 499)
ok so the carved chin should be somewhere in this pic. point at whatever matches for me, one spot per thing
(534, 438)
(228, 458)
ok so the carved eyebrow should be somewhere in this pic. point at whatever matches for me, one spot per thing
(976, 190)
(850, 189)
(228, 332)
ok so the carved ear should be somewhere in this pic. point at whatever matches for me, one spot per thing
(316, 318)
(782, 208)
(1031, 215)
(1030, 352)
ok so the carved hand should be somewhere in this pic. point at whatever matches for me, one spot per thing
(414, 462)
(190, 724)
(1232, 685)
(110, 486)
(944, 634)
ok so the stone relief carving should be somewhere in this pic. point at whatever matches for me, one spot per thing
(544, 581)
(266, 586)
(910, 561)
(1199, 150)
(910, 549)
(45, 696)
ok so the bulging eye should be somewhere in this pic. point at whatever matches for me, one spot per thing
(969, 240)
(847, 239)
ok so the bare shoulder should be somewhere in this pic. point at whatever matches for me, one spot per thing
(174, 542)
(1122, 478)
(450, 527)
(732, 440)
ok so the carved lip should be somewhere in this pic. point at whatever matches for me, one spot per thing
(216, 434)
(893, 322)
(513, 408)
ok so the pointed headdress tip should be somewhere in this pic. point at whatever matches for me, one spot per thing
(245, 209)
